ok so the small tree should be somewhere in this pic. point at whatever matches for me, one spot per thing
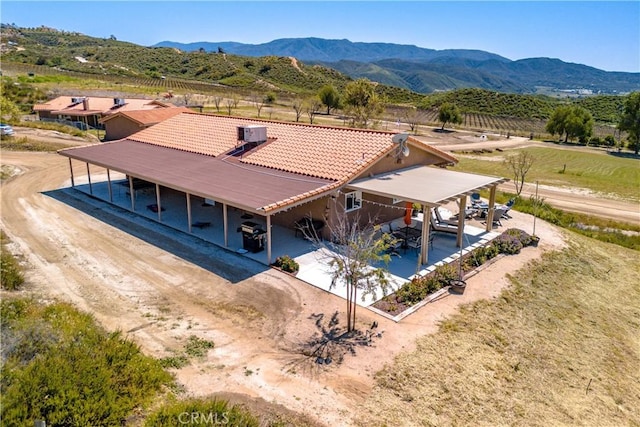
(571, 121)
(231, 103)
(258, 101)
(312, 107)
(350, 259)
(362, 103)
(449, 113)
(412, 117)
(297, 105)
(519, 165)
(217, 99)
(8, 109)
(630, 120)
(270, 98)
(329, 97)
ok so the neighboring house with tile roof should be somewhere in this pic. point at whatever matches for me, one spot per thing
(124, 123)
(91, 109)
(282, 171)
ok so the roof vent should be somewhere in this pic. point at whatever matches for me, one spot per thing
(252, 133)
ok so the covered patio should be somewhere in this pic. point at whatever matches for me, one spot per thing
(430, 188)
(220, 224)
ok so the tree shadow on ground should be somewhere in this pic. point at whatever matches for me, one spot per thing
(440, 130)
(331, 343)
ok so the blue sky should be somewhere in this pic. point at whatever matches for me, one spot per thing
(604, 35)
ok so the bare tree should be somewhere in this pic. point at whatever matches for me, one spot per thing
(519, 165)
(350, 257)
(258, 101)
(412, 117)
(229, 103)
(297, 107)
(217, 99)
(312, 108)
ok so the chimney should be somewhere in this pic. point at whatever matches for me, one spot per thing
(85, 103)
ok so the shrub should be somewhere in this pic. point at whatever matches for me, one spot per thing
(286, 263)
(11, 277)
(412, 292)
(523, 236)
(507, 244)
(197, 347)
(74, 373)
(445, 273)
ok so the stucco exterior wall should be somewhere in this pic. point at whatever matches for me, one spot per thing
(120, 127)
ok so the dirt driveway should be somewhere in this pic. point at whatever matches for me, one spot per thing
(161, 286)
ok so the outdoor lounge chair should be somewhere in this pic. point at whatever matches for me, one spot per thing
(443, 227)
(436, 212)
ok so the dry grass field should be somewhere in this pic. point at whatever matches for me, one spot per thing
(559, 347)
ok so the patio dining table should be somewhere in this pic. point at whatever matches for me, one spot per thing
(405, 234)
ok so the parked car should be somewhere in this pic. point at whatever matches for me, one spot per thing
(6, 129)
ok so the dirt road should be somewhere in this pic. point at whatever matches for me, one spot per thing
(161, 286)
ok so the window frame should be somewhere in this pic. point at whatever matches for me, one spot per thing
(356, 203)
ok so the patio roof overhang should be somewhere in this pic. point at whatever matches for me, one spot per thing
(425, 185)
(248, 187)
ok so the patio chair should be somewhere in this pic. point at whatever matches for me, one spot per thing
(507, 207)
(416, 244)
(497, 214)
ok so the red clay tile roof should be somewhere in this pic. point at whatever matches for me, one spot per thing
(319, 151)
(299, 161)
(148, 117)
(96, 105)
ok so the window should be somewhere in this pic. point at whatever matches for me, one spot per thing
(353, 201)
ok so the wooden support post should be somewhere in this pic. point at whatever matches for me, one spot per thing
(158, 203)
(73, 184)
(131, 193)
(461, 218)
(492, 203)
(189, 211)
(225, 225)
(109, 186)
(424, 238)
(89, 177)
(268, 239)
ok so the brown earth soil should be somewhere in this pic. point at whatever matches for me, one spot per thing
(161, 286)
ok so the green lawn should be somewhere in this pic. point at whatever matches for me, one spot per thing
(604, 173)
(559, 347)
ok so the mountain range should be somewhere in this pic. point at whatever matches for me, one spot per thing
(428, 70)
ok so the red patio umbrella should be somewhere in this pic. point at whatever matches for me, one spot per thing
(407, 213)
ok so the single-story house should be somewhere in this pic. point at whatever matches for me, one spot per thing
(90, 109)
(281, 172)
(124, 123)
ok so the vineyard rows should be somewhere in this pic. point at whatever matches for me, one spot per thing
(473, 121)
(504, 125)
(164, 84)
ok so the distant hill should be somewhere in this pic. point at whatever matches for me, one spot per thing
(316, 49)
(428, 70)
